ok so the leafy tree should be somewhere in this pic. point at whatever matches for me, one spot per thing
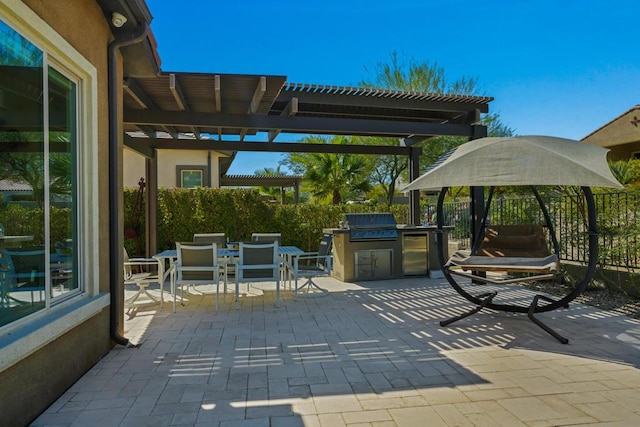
(425, 77)
(330, 176)
(28, 167)
(436, 146)
(23, 167)
(385, 169)
(415, 76)
(26, 84)
(60, 173)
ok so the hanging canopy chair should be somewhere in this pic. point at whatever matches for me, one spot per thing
(517, 161)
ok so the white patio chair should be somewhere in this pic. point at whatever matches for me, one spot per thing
(218, 238)
(226, 266)
(196, 264)
(267, 237)
(142, 272)
(258, 262)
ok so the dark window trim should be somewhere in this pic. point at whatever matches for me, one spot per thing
(203, 169)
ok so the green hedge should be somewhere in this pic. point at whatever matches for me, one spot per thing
(20, 221)
(238, 213)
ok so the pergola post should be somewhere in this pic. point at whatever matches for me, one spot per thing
(151, 224)
(476, 193)
(414, 195)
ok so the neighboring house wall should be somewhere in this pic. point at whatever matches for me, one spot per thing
(621, 136)
(133, 168)
(43, 354)
(170, 164)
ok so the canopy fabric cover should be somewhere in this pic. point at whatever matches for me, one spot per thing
(520, 160)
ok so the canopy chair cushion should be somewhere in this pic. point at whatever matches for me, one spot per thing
(524, 241)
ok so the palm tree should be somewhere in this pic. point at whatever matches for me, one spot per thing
(272, 192)
(624, 171)
(329, 175)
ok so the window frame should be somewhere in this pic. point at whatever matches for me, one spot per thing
(60, 68)
(63, 314)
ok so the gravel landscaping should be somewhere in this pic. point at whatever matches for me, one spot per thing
(595, 296)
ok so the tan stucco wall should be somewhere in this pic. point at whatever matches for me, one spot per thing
(624, 152)
(133, 169)
(30, 386)
(621, 136)
(134, 166)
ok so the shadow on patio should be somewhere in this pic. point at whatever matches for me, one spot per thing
(367, 353)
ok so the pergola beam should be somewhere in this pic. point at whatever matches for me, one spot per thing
(365, 101)
(171, 131)
(274, 147)
(412, 140)
(137, 145)
(176, 91)
(217, 99)
(290, 110)
(258, 94)
(297, 124)
(181, 101)
(136, 92)
(216, 93)
(148, 130)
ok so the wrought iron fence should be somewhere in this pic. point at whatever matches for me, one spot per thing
(618, 223)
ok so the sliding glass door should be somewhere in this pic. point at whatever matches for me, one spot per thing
(38, 179)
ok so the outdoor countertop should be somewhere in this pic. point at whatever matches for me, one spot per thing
(400, 227)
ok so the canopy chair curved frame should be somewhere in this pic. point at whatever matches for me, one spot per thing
(485, 299)
(531, 160)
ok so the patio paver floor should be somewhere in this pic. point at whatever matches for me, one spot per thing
(368, 354)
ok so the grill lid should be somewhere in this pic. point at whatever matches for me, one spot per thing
(371, 226)
(370, 220)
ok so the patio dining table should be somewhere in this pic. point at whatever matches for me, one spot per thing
(171, 255)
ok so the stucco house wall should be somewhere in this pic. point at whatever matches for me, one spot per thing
(133, 169)
(44, 355)
(169, 164)
(621, 135)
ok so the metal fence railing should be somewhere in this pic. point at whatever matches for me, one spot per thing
(618, 223)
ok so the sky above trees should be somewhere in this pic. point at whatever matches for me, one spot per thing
(554, 68)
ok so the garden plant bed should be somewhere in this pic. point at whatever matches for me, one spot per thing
(597, 296)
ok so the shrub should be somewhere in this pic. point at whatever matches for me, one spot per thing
(238, 213)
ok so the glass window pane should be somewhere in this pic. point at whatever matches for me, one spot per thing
(22, 180)
(191, 178)
(62, 182)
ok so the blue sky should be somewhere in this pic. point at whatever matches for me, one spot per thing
(560, 68)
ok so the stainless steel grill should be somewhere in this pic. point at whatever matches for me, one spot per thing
(371, 226)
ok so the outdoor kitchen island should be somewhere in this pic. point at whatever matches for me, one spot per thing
(374, 247)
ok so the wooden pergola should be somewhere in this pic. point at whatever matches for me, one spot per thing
(234, 112)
